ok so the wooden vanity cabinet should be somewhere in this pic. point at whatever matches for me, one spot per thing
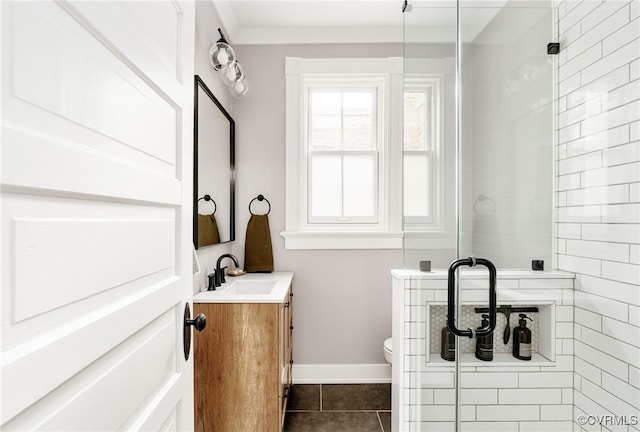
(242, 366)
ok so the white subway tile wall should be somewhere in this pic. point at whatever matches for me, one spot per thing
(598, 195)
(506, 393)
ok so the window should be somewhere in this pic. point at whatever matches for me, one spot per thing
(421, 147)
(344, 153)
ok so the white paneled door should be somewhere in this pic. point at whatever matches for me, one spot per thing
(96, 201)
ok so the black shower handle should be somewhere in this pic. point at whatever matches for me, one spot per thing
(451, 299)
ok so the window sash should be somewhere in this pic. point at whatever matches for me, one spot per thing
(316, 115)
(425, 192)
(428, 146)
(343, 185)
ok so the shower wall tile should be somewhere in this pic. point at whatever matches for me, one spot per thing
(529, 396)
(635, 70)
(570, 181)
(621, 96)
(504, 391)
(545, 426)
(624, 153)
(601, 360)
(622, 331)
(578, 63)
(617, 59)
(591, 249)
(579, 265)
(546, 379)
(615, 117)
(623, 213)
(611, 289)
(610, 232)
(634, 376)
(601, 306)
(569, 84)
(600, 14)
(618, 174)
(620, 38)
(556, 412)
(600, 218)
(578, 42)
(628, 273)
(599, 195)
(621, 389)
(580, 214)
(580, 163)
(608, 82)
(506, 413)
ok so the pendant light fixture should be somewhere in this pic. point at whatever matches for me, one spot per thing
(223, 60)
(221, 55)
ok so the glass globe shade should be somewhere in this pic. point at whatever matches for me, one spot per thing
(221, 55)
(232, 73)
(239, 88)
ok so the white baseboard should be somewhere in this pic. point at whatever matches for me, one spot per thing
(341, 373)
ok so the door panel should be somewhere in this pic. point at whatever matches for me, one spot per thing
(96, 235)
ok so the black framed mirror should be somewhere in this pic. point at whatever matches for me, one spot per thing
(213, 169)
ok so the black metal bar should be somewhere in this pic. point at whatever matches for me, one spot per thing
(451, 297)
(492, 297)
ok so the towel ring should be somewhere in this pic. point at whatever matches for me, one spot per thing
(207, 197)
(260, 198)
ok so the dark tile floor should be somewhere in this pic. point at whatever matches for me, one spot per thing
(339, 408)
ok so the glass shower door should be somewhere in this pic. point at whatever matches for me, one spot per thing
(478, 167)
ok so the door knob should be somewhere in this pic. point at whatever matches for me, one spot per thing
(199, 323)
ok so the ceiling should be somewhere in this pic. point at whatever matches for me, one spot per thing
(248, 22)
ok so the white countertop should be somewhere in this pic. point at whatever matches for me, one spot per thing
(249, 288)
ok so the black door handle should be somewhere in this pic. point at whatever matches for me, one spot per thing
(451, 300)
(199, 323)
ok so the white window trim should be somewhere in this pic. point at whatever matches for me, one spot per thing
(387, 233)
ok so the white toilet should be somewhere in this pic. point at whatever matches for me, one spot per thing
(388, 350)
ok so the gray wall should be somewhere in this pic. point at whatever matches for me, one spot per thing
(342, 298)
(207, 23)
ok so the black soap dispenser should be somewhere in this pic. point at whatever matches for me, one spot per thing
(447, 345)
(522, 339)
(484, 344)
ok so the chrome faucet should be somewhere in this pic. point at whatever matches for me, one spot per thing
(218, 273)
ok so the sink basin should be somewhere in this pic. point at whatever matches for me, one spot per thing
(251, 288)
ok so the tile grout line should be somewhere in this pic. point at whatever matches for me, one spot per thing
(379, 421)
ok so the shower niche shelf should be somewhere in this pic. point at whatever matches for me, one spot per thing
(542, 329)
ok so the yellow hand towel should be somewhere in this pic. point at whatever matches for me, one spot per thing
(258, 253)
(207, 230)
